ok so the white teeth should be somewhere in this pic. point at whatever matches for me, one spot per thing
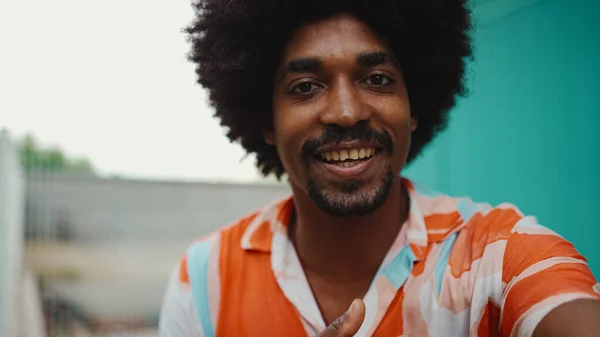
(352, 154)
(346, 164)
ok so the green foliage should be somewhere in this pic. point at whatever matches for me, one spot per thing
(34, 157)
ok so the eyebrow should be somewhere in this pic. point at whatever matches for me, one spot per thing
(312, 64)
(302, 65)
(371, 59)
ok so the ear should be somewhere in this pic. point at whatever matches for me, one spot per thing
(269, 136)
(414, 123)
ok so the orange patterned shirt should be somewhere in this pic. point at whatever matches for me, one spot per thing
(456, 268)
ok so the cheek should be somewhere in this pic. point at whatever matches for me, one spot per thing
(290, 130)
(397, 118)
(292, 124)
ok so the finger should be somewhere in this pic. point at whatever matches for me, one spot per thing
(348, 324)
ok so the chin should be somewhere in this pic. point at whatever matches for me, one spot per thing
(351, 198)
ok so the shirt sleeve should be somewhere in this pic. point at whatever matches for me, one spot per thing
(541, 271)
(178, 314)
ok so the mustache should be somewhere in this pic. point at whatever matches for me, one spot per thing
(335, 134)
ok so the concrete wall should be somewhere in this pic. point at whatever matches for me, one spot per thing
(123, 233)
(90, 209)
(11, 236)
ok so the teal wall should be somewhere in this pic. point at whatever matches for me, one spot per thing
(528, 131)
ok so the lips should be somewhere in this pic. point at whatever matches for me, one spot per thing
(348, 169)
(347, 152)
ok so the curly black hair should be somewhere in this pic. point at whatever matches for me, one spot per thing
(237, 45)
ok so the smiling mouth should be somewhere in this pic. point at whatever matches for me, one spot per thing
(347, 157)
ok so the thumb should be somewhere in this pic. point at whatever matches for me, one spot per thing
(348, 324)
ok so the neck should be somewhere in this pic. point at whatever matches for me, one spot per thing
(347, 248)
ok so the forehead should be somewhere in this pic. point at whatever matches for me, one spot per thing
(336, 37)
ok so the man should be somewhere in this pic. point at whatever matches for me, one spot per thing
(339, 95)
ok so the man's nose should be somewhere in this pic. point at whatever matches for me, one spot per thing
(345, 107)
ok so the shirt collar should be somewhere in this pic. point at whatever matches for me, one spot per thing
(432, 218)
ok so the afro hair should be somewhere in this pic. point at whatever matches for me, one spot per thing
(236, 46)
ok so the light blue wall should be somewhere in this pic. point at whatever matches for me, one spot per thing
(528, 132)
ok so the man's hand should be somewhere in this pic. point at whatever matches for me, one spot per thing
(348, 324)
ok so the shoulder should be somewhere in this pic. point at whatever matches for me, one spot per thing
(252, 232)
(480, 231)
(191, 303)
(506, 227)
(205, 251)
(445, 215)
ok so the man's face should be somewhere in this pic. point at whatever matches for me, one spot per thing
(342, 121)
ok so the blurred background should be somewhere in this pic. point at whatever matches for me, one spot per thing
(111, 162)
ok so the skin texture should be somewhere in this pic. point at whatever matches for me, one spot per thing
(343, 93)
(341, 251)
(339, 94)
(579, 318)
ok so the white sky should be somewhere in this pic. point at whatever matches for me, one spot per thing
(109, 80)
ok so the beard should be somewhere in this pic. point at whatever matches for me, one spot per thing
(352, 198)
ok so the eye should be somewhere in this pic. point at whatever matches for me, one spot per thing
(305, 88)
(378, 80)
